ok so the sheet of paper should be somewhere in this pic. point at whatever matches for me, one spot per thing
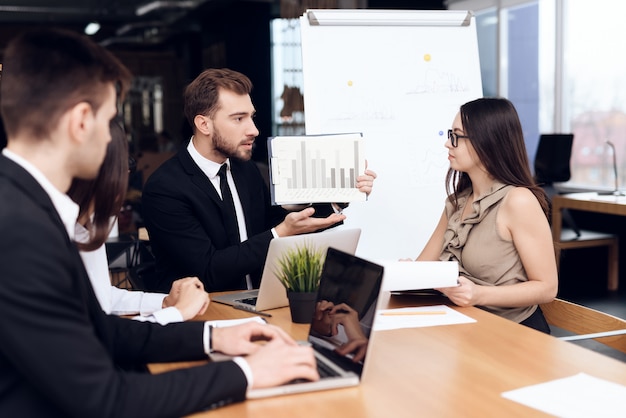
(231, 322)
(416, 317)
(580, 395)
(215, 356)
(316, 168)
(415, 275)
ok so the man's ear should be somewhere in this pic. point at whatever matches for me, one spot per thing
(80, 120)
(203, 124)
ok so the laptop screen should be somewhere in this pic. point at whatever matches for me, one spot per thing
(345, 308)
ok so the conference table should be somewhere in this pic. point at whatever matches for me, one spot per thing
(441, 371)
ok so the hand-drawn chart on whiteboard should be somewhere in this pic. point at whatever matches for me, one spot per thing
(399, 77)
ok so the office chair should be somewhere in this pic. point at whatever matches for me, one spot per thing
(552, 164)
(145, 267)
(586, 323)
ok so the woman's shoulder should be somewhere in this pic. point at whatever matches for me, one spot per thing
(519, 200)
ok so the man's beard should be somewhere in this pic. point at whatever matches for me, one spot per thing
(228, 150)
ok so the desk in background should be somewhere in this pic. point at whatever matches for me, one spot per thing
(589, 202)
(443, 371)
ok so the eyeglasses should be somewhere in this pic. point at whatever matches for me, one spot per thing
(454, 138)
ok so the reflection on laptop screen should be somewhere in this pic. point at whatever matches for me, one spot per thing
(345, 308)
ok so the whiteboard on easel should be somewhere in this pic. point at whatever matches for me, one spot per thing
(399, 77)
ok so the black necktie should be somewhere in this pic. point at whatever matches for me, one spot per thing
(228, 207)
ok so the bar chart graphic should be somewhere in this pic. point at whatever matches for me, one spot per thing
(316, 168)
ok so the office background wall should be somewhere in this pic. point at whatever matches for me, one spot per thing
(218, 33)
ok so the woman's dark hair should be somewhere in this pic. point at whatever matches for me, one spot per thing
(105, 194)
(495, 132)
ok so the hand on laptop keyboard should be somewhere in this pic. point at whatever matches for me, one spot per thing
(278, 361)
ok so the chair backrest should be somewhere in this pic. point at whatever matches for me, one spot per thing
(586, 323)
(552, 159)
(552, 164)
(140, 274)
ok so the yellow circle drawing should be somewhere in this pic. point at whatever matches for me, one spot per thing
(426, 57)
(349, 83)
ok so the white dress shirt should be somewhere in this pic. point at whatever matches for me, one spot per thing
(210, 169)
(114, 300)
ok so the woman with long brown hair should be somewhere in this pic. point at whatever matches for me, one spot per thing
(495, 220)
(100, 201)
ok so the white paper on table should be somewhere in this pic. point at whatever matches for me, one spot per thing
(415, 275)
(221, 323)
(580, 395)
(421, 316)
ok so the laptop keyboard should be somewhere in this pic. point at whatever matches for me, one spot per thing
(248, 301)
(325, 370)
(343, 362)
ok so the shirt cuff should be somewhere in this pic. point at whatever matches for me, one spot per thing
(339, 207)
(206, 338)
(151, 302)
(245, 367)
(163, 316)
(240, 361)
(168, 315)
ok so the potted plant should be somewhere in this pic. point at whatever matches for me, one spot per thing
(299, 270)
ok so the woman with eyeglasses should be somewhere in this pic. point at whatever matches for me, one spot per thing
(100, 201)
(495, 221)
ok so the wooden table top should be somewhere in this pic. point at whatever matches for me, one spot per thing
(442, 371)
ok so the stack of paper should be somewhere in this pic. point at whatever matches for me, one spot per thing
(415, 275)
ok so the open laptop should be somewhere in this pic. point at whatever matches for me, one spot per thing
(351, 285)
(271, 293)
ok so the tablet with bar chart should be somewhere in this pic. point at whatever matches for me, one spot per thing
(316, 168)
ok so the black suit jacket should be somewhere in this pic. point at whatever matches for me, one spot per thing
(181, 211)
(60, 355)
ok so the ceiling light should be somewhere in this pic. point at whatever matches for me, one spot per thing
(92, 28)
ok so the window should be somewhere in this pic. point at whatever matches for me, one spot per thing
(568, 77)
(594, 89)
(287, 82)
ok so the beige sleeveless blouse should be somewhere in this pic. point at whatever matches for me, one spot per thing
(483, 256)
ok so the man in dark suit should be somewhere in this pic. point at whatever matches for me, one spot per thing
(191, 232)
(60, 354)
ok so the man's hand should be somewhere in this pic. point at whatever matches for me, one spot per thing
(302, 222)
(357, 348)
(277, 362)
(273, 356)
(349, 318)
(365, 182)
(240, 340)
(188, 296)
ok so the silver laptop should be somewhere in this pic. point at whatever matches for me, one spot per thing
(346, 306)
(271, 292)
